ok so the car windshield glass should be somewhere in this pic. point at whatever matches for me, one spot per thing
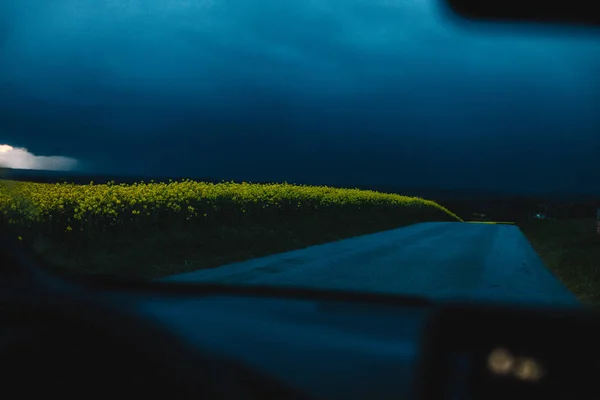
(364, 145)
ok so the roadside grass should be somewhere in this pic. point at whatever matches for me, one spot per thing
(152, 230)
(571, 250)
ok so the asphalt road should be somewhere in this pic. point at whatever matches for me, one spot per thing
(439, 260)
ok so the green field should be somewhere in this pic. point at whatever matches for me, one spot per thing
(151, 230)
(571, 249)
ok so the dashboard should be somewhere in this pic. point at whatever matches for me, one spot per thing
(326, 349)
(376, 348)
(214, 341)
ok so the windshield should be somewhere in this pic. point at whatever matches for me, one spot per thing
(362, 145)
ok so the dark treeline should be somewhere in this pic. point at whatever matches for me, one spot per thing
(82, 178)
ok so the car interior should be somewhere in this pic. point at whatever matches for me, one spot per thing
(105, 336)
(91, 336)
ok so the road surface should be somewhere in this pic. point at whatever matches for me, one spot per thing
(439, 260)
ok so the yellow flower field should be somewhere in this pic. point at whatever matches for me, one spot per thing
(98, 215)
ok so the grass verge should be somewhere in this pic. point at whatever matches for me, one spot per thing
(571, 249)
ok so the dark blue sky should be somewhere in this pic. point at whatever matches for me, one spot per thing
(344, 92)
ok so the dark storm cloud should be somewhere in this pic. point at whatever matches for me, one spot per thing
(347, 91)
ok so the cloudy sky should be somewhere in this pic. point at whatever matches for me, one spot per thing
(344, 92)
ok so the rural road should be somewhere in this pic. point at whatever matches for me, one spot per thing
(439, 260)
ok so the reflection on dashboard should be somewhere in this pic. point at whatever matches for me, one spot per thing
(502, 362)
